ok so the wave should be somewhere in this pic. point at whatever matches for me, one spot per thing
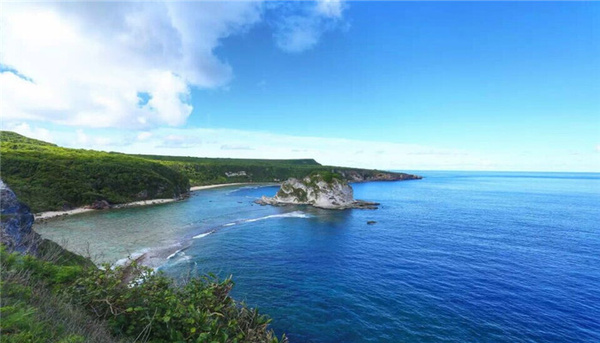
(295, 214)
(182, 259)
(243, 189)
(203, 234)
(132, 257)
(175, 253)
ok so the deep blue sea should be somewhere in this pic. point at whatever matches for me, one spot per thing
(455, 257)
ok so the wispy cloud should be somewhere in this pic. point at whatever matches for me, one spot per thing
(176, 141)
(331, 151)
(303, 23)
(37, 133)
(235, 147)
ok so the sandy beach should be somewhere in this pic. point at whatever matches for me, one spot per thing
(144, 203)
(54, 214)
(199, 188)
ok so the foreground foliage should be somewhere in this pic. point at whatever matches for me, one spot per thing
(32, 309)
(46, 301)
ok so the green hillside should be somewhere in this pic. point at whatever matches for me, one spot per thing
(49, 177)
(207, 171)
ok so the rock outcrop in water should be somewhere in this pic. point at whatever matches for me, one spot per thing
(323, 190)
(16, 222)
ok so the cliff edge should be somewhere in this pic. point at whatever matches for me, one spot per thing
(16, 222)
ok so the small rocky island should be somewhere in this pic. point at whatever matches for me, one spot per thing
(323, 190)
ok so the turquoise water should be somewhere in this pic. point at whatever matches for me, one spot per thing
(455, 257)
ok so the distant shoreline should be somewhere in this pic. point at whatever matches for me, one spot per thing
(43, 216)
(199, 188)
(55, 214)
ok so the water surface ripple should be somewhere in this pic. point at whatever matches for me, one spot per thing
(455, 257)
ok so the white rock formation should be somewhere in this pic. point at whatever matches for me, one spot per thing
(329, 193)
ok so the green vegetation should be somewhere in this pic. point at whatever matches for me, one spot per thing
(61, 297)
(32, 309)
(48, 177)
(327, 176)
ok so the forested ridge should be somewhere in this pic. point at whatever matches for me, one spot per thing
(49, 177)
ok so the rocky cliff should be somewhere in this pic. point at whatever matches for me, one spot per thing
(329, 191)
(365, 175)
(16, 222)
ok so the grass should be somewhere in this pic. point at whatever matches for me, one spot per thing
(62, 297)
(32, 309)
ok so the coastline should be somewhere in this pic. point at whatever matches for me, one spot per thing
(53, 214)
(199, 188)
(56, 214)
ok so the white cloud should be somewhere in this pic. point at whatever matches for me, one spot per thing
(170, 142)
(250, 144)
(85, 63)
(235, 147)
(330, 8)
(330, 151)
(36, 133)
(142, 136)
(82, 138)
(302, 28)
(99, 141)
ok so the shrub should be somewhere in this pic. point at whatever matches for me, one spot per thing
(32, 311)
(140, 303)
(43, 301)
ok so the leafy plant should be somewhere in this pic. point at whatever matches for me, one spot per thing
(44, 301)
(136, 301)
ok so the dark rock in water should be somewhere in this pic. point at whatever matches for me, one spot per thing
(16, 222)
(100, 205)
(371, 222)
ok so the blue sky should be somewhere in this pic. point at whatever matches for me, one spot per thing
(396, 85)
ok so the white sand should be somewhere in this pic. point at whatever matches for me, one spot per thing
(199, 188)
(54, 214)
(144, 203)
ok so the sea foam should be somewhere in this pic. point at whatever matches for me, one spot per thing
(295, 214)
(203, 234)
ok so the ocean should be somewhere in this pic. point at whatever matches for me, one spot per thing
(454, 257)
